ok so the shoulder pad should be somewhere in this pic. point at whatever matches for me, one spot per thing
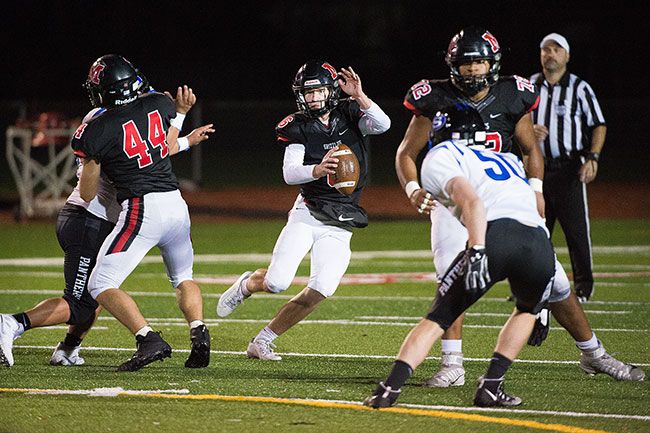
(288, 129)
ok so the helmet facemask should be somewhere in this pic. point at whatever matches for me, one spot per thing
(327, 104)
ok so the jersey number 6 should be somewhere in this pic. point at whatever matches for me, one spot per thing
(135, 147)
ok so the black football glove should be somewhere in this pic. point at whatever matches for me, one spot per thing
(584, 293)
(541, 328)
(477, 276)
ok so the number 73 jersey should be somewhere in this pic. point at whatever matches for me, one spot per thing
(130, 143)
(497, 178)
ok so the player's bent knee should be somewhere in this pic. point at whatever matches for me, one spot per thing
(276, 285)
(325, 291)
(178, 279)
(80, 313)
(96, 291)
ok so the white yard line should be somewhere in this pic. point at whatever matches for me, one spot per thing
(170, 294)
(318, 355)
(357, 255)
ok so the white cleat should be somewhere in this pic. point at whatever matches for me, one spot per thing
(262, 349)
(452, 372)
(66, 356)
(8, 330)
(599, 361)
(233, 297)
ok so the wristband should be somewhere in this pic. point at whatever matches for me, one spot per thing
(593, 156)
(183, 143)
(536, 184)
(411, 187)
(177, 122)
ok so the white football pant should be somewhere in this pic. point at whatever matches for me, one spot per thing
(330, 252)
(157, 219)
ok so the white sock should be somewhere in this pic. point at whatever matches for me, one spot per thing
(452, 345)
(144, 331)
(196, 323)
(590, 344)
(243, 287)
(266, 334)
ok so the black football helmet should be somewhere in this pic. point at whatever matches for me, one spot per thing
(314, 74)
(470, 44)
(113, 81)
(459, 121)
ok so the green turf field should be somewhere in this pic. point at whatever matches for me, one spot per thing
(333, 359)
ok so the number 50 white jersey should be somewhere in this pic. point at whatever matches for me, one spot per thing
(498, 179)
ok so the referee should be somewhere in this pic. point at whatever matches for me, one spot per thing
(570, 129)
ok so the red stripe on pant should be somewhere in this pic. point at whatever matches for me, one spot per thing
(134, 212)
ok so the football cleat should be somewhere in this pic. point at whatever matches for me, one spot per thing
(384, 396)
(262, 349)
(452, 372)
(599, 361)
(8, 327)
(151, 348)
(486, 398)
(200, 353)
(233, 297)
(66, 356)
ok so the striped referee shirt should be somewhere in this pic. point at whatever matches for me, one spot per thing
(570, 110)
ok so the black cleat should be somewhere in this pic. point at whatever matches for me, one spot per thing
(151, 348)
(384, 396)
(200, 354)
(486, 398)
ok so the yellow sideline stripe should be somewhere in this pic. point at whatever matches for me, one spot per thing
(334, 405)
(421, 412)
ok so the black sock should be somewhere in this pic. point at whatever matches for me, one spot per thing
(499, 364)
(399, 375)
(23, 319)
(71, 340)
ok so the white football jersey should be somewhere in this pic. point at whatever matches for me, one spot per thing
(104, 205)
(498, 179)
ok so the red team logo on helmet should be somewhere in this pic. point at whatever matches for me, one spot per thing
(331, 70)
(96, 69)
(494, 44)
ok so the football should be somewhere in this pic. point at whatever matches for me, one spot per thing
(347, 172)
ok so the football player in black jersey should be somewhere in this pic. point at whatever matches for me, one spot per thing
(81, 229)
(474, 58)
(129, 144)
(322, 218)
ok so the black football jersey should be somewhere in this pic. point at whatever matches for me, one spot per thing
(130, 144)
(507, 101)
(318, 139)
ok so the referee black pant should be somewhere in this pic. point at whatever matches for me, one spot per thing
(566, 202)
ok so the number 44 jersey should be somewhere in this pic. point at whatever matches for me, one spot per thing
(130, 143)
(497, 178)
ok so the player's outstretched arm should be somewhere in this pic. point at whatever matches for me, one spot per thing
(195, 137)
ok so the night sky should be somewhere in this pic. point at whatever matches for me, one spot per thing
(251, 50)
